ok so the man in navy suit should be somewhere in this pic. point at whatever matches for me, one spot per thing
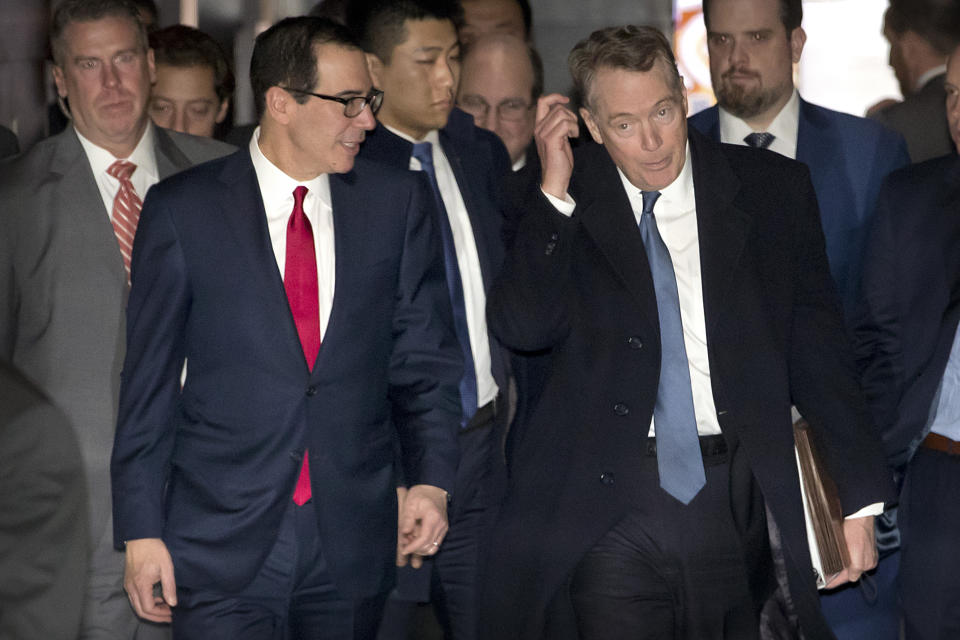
(753, 45)
(909, 352)
(305, 290)
(415, 58)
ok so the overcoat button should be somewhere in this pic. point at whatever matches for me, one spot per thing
(607, 478)
(635, 342)
(621, 409)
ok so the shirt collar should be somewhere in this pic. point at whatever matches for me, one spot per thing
(678, 196)
(433, 136)
(784, 126)
(276, 187)
(143, 154)
(929, 75)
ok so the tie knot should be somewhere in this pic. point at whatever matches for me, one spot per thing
(298, 195)
(759, 140)
(121, 170)
(649, 199)
(423, 151)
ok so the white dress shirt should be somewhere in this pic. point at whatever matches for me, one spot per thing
(929, 75)
(144, 177)
(276, 190)
(468, 260)
(784, 128)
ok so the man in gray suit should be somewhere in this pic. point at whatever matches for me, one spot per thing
(921, 34)
(68, 210)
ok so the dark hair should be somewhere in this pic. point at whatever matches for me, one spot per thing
(151, 8)
(791, 14)
(335, 10)
(629, 47)
(285, 54)
(69, 12)
(381, 24)
(183, 46)
(936, 21)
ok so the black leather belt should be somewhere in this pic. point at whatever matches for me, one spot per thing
(485, 415)
(710, 446)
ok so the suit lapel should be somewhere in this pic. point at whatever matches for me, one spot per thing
(80, 197)
(170, 159)
(246, 221)
(949, 203)
(477, 202)
(722, 228)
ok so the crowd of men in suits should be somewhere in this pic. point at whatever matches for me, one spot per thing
(423, 340)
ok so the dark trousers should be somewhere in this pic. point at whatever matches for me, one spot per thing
(669, 570)
(449, 579)
(930, 558)
(293, 596)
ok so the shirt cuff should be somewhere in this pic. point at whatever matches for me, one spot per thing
(874, 509)
(565, 206)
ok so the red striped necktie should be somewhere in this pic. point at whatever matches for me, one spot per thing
(303, 295)
(126, 210)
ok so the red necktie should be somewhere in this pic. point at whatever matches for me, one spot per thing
(126, 210)
(303, 294)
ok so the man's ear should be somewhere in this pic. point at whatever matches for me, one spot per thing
(798, 37)
(222, 111)
(60, 81)
(375, 66)
(151, 67)
(591, 125)
(279, 104)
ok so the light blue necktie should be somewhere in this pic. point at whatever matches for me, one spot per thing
(679, 460)
(423, 151)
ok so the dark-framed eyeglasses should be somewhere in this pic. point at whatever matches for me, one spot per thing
(352, 106)
(511, 109)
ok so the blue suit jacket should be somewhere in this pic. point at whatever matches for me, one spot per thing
(910, 309)
(211, 468)
(479, 162)
(848, 158)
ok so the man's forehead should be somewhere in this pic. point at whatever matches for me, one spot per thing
(106, 32)
(341, 69)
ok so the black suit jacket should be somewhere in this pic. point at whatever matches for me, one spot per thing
(479, 162)
(211, 468)
(910, 308)
(582, 286)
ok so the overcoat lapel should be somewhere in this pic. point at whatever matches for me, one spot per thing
(609, 220)
(722, 227)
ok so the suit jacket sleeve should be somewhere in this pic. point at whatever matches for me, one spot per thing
(526, 308)
(426, 363)
(150, 381)
(823, 378)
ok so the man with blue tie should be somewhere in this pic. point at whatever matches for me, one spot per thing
(753, 45)
(415, 59)
(908, 348)
(683, 288)
(305, 290)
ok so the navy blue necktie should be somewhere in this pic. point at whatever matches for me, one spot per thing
(759, 140)
(679, 460)
(423, 151)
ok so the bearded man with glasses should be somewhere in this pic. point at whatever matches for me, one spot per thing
(267, 481)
